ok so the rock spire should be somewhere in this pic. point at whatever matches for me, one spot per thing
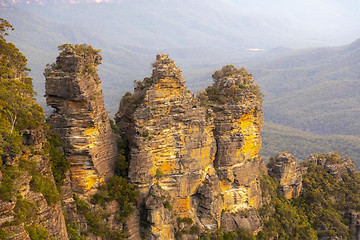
(73, 89)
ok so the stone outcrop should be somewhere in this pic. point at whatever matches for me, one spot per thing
(171, 142)
(238, 120)
(73, 89)
(285, 168)
(201, 153)
(334, 164)
(26, 202)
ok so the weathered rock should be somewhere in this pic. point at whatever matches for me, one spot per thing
(210, 202)
(247, 220)
(334, 164)
(158, 214)
(10, 160)
(354, 225)
(17, 232)
(285, 168)
(73, 89)
(34, 137)
(170, 139)
(175, 140)
(238, 119)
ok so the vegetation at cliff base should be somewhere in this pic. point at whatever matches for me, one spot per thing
(324, 208)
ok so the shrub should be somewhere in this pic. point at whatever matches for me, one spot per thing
(121, 165)
(194, 230)
(37, 232)
(59, 164)
(39, 183)
(168, 205)
(25, 211)
(9, 184)
(186, 220)
(125, 194)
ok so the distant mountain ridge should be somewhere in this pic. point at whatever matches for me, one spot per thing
(315, 90)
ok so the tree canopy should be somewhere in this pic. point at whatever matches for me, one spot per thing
(18, 109)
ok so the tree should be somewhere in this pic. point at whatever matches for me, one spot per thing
(18, 109)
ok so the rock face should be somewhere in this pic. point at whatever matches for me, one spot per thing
(192, 157)
(285, 168)
(171, 142)
(73, 89)
(31, 205)
(238, 120)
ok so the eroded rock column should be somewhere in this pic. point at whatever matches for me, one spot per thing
(73, 89)
(171, 144)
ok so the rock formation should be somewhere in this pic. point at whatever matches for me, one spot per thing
(334, 164)
(171, 142)
(73, 89)
(29, 205)
(202, 154)
(238, 120)
(285, 168)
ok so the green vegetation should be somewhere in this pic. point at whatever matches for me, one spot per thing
(327, 201)
(18, 112)
(59, 164)
(10, 183)
(186, 220)
(322, 210)
(18, 109)
(79, 49)
(24, 210)
(96, 221)
(230, 86)
(117, 188)
(37, 232)
(281, 219)
(39, 183)
(168, 205)
(3, 234)
(129, 102)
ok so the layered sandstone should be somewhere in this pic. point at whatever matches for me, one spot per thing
(238, 120)
(73, 89)
(198, 155)
(285, 168)
(171, 142)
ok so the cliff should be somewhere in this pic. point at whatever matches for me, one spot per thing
(236, 104)
(73, 89)
(190, 157)
(29, 203)
(29, 200)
